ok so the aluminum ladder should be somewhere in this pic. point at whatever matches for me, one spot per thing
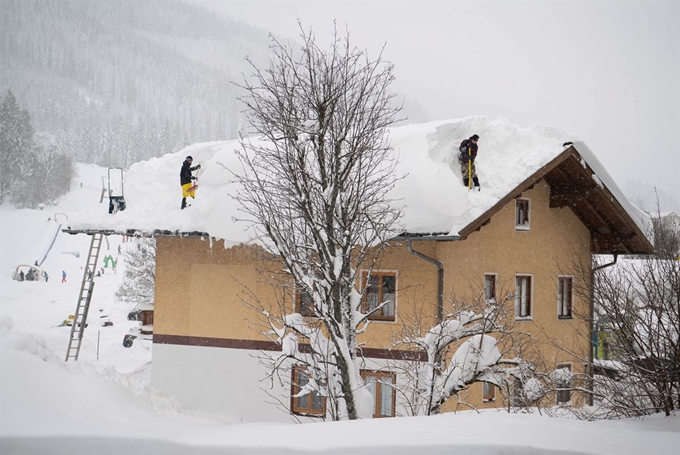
(86, 288)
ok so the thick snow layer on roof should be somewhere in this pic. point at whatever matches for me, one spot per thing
(431, 193)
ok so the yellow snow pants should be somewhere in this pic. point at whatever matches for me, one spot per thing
(187, 190)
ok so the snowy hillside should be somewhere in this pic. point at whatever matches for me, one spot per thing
(103, 403)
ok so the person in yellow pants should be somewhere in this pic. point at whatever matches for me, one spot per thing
(185, 179)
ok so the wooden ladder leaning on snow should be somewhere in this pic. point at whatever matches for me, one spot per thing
(84, 298)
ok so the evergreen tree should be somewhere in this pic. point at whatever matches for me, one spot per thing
(16, 141)
(33, 169)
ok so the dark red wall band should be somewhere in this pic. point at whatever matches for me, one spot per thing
(259, 345)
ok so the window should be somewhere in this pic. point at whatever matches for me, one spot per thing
(381, 385)
(564, 297)
(562, 378)
(488, 392)
(380, 288)
(522, 208)
(490, 288)
(523, 296)
(304, 303)
(310, 403)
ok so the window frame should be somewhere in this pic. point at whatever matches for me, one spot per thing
(488, 392)
(378, 390)
(525, 226)
(379, 315)
(560, 300)
(530, 297)
(309, 411)
(568, 390)
(300, 294)
(494, 297)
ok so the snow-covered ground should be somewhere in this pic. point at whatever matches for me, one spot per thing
(103, 403)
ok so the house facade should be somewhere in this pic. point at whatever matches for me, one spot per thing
(525, 251)
(545, 208)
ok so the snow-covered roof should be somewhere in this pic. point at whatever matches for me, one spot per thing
(433, 198)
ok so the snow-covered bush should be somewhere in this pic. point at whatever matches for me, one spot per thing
(138, 282)
(467, 346)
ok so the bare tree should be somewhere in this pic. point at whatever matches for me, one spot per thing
(314, 183)
(635, 364)
(638, 310)
(666, 236)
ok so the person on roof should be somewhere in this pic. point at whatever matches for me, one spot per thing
(467, 154)
(185, 179)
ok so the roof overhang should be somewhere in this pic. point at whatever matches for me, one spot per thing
(572, 185)
(136, 232)
(437, 236)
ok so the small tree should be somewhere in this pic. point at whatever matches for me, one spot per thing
(666, 237)
(314, 185)
(140, 273)
(469, 345)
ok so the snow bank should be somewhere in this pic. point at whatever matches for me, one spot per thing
(46, 409)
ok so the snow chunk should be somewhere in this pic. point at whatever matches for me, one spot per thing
(533, 389)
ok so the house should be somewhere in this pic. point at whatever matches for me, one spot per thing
(546, 205)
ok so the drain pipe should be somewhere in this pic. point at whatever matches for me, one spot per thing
(440, 271)
(593, 335)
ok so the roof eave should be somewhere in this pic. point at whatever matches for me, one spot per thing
(137, 232)
(436, 236)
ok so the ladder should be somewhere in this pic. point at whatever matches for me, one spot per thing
(86, 288)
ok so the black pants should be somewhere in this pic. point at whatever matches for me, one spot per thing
(464, 171)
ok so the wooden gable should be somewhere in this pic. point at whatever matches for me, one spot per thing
(572, 185)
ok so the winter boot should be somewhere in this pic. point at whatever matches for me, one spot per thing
(475, 180)
(465, 181)
(184, 203)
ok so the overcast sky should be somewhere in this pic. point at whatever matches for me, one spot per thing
(605, 71)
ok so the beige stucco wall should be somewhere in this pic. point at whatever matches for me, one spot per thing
(200, 287)
(200, 284)
(555, 242)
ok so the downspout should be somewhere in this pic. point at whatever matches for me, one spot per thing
(593, 335)
(440, 271)
(440, 286)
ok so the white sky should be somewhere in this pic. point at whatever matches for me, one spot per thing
(605, 71)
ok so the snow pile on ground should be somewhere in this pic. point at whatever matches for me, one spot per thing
(431, 194)
(46, 409)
